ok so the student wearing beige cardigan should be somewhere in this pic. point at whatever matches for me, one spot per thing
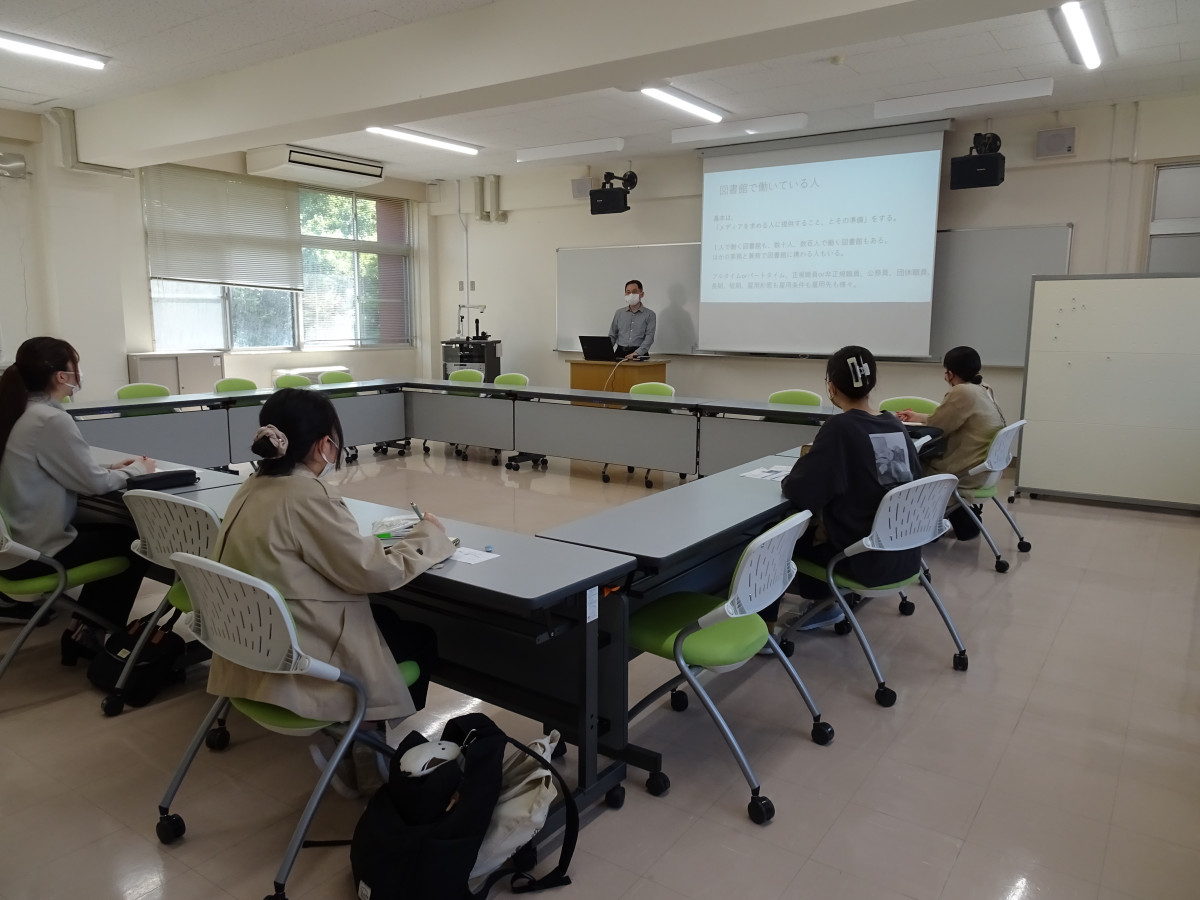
(969, 418)
(286, 526)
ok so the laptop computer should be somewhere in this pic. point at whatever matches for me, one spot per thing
(597, 347)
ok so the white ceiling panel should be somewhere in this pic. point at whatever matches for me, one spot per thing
(1144, 15)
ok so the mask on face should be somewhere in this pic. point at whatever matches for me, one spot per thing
(633, 300)
(72, 389)
(329, 464)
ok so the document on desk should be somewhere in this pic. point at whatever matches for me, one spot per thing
(471, 557)
(768, 473)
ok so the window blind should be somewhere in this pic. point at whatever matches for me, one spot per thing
(222, 228)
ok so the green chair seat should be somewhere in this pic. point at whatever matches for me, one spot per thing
(515, 378)
(796, 397)
(77, 575)
(225, 385)
(916, 404)
(981, 493)
(276, 718)
(654, 628)
(178, 597)
(473, 376)
(653, 388)
(292, 381)
(813, 570)
(336, 377)
(142, 389)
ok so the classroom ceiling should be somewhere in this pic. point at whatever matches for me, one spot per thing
(157, 43)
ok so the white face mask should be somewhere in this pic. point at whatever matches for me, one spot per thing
(633, 300)
(329, 464)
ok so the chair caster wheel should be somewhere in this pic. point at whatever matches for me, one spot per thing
(516, 467)
(629, 468)
(545, 463)
(604, 477)
(559, 751)
(1024, 546)
(683, 476)
(457, 452)
(960, 661)
(822, 733)
(761, 810)
(885, 696)
(679, 701)
(787, 647)
(112, 705)
(649, 483)
(615, 797)
(464, 457)
(657, 783)
(1012, 499)
(842, 628)
(379, 450)
(495, 462)
(217, 739)
(170, 828)
(399, 451)
(425, 450)
(1001, 565)
(907, 607)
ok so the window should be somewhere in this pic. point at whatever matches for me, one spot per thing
(240, 263)
(356, 269)
(1175, 223)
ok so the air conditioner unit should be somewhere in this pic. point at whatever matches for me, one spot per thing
(310, 166)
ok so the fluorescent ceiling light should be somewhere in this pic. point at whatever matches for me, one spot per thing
(686, 102)
(577, 148)
(429, 141)
(1082, 34)
(939, 102)
(742, 128)
(28, 46)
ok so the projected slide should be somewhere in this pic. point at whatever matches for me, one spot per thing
(808, 249)
(847, 231)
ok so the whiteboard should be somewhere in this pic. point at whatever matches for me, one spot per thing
(1110, 392)
(981, 287)
(591, 282)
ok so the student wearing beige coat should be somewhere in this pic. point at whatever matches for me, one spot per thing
(288, 528)
(969, 418)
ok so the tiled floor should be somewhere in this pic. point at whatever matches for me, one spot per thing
(1064, 764)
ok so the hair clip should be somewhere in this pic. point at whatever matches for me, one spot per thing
(856, 371)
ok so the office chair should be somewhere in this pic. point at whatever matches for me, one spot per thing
(141, 389)
(514, 461)
(336, 377)
(463, 376)
(654, 389)
(52, 586)
(916, 404)
(245, 620)
(1000, 455)
(702, 631)
(293, 381)
(909, 516)
(225, 385)
(796, 397)
(166, 524)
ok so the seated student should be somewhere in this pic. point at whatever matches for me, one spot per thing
(287, 527)
(969, 418)
(855, 459)
(44, 465)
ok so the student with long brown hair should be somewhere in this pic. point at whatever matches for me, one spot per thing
(44, 465)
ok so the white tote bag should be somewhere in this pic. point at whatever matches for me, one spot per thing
(526, 792)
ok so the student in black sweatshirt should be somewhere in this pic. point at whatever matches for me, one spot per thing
(855, 459)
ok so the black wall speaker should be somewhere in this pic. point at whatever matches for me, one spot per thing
(976, 170)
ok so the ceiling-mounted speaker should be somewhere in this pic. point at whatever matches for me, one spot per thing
(581, 188)
(1055, 143)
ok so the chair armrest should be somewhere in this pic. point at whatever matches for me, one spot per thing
(315, 668)
(9, 547)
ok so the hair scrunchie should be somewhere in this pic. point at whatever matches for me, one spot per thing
(277, 438)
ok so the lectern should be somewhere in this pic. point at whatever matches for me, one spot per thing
(603, 375)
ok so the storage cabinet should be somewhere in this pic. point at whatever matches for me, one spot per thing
(182, 373)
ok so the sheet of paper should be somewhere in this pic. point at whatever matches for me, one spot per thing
(471, 556)
(768, 473)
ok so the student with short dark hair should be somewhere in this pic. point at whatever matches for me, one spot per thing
(856, 458)
(969, 418)
(45, 464)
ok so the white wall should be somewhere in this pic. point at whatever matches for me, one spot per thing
(1100, 191)
(21, 286)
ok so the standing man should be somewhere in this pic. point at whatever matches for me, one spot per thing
(632, 329)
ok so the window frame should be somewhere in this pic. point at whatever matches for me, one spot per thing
(1167, 227)
(354, 245)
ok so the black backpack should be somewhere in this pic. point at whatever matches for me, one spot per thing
(407, 846)
(163, 660)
